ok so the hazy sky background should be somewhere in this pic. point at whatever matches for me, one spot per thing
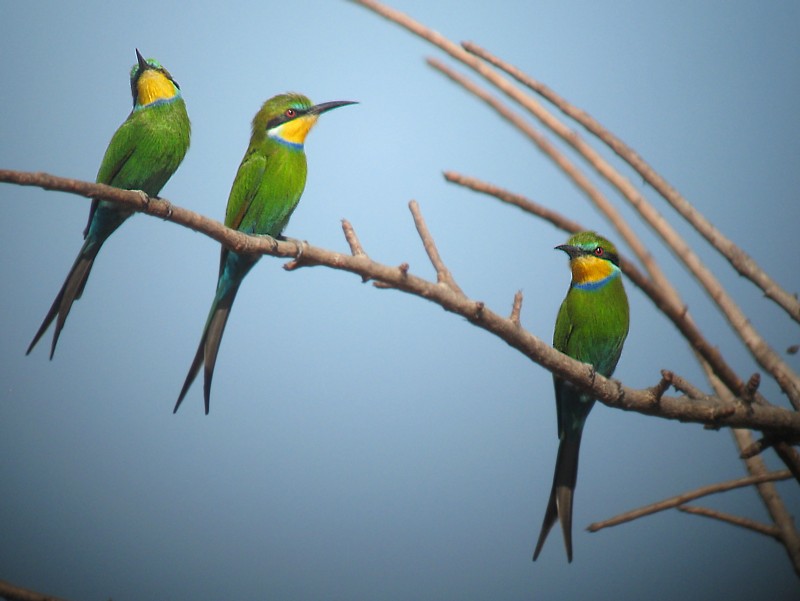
(362, 443)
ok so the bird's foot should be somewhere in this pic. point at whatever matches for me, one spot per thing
(272, 239)
(143, 195)
(299, 244)
(169, 208)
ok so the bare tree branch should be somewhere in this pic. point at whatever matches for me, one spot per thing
(712, 411)
(765, 529)
(673, 502)
(516, 309)
(443, 275)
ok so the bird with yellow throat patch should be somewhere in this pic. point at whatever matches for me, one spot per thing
(591, 326)
(143, 154)
(265, 192)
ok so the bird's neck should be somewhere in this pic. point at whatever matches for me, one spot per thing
(292, 134)
(153, 87)
(591, 273)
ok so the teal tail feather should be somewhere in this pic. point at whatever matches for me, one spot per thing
(71, 290)
(208, 348)
(559, 505)
(233, 269)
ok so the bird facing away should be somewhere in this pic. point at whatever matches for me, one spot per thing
(591, 327)
(265, 192)
(143, 154)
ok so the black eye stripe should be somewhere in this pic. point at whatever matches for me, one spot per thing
(285, 117)
(601, 252)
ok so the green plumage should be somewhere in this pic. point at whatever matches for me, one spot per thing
(143, 154)
(591, 327)
(265, 192)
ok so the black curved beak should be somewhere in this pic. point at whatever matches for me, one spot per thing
(318, 109)
(572, 251)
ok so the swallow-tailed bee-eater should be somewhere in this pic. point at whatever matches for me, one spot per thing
(591, 327)
(265, 192)
(143, 154)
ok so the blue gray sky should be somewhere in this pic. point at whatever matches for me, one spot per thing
(364, 444)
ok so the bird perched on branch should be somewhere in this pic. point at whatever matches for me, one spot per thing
(265, 192)
(591, 326)
(143, 154)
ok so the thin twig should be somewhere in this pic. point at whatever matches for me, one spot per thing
(686, 387)
(663, 385)
(560, 221)
(516, 308)
(740, 260)
(443, 275)
(742, 522)
(352, 239)
(673, 502)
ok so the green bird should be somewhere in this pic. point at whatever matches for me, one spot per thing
(143, 154)
(591, 326)
(265, 192)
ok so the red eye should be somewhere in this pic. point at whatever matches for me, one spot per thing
(290, 113)
(599, 252)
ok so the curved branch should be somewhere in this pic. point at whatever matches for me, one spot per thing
(712, 411)
(684, 498)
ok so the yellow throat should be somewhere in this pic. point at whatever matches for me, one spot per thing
(153, 85)
(587, 269)
(294, 131)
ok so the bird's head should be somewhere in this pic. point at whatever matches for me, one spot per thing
(150, 82)
(592, 259)
(287, 118)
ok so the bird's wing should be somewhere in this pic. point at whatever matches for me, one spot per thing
(563, 329)
(119, 151)
(244, 189)
(561, 338)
